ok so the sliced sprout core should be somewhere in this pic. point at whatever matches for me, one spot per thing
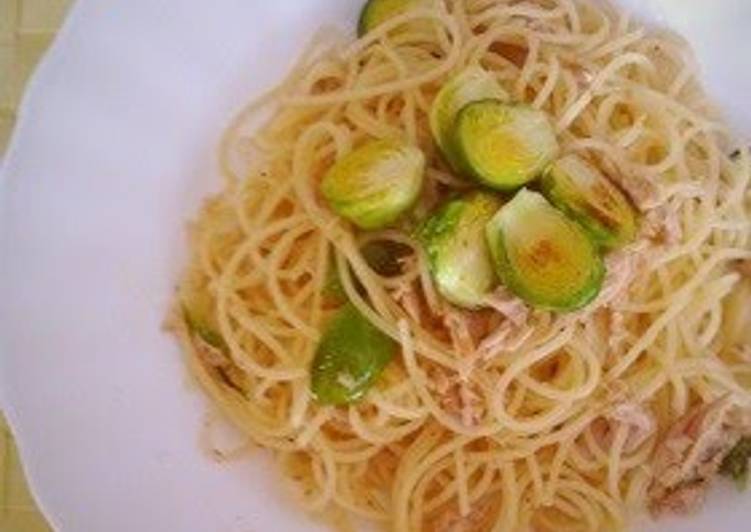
(587, 196)
(454, 240)
(503, 146)
(471, 85)
(542, 256)
(376, 183)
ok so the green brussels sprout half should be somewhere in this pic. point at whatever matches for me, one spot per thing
(375, 184)
(542, 256)
(376, 12)
(587, 196)
(472, 84)
(458, 256)
(350, 357)
(503, 146)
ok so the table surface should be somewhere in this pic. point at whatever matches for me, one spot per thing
(27, 27)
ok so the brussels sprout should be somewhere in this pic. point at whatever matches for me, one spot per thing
(470, 85)
(584, 194)
(501, 145)
(383, 256)
(350, 357)
(376, 12)
(454, 240)
(376, 183)
(198, 310)
(542, 256)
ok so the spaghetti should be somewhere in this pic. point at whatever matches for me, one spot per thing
(510, 417)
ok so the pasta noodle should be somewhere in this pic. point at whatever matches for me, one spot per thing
(514, 427)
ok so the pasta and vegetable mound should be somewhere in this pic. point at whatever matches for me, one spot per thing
(485, 267)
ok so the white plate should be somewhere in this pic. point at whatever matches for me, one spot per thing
(113, 150)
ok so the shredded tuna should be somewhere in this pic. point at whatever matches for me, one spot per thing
(583, 76)
(509, 305)
(497, 340)
(690, 454)
(456, 323)
(662, 225)
(744, 267)
(683, 500)
(690, 444)
(513, 327)
(217, 360)
(461, 328)
(406, 297)
(480, 323)
(622, 267)
(618, 332)
(471, 406)
(506, 338)
(457, 397)
(467, 329)
(440, 382)
(643, 192)
(640, 422)
(673, 231)
(617, 391)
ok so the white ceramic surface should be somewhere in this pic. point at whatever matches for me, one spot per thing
(114, 149)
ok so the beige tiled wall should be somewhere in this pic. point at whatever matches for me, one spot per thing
(18, 513)
(26, 29)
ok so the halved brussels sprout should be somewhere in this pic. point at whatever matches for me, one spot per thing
(375, 184)
(471, 85)
(503, 146)
(584, 194)
(350, 357)
(542, 256)
(198, 310)
(383, 256)
(454, 240)
(376, 12)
